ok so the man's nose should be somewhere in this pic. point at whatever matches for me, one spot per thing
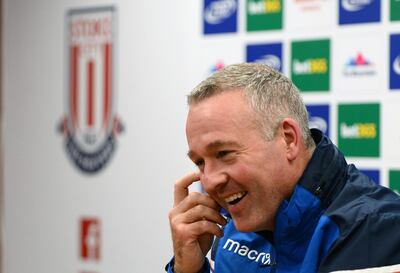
(213, 178)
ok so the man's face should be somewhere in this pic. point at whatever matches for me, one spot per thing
(242, 171)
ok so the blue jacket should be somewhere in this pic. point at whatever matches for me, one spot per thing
(336, 219)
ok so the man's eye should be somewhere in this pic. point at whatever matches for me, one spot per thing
(221, 154)
(199, 163)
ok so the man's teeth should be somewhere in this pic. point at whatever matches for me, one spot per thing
(235, 196)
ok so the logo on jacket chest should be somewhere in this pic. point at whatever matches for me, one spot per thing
(257, 256)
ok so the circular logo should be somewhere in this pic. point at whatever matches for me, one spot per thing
(217, 11)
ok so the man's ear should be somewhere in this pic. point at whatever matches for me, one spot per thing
(292, 137)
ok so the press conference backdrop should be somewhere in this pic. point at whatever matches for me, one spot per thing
(94, 110)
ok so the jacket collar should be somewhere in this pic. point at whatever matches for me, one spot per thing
(325, 174)
(322, 180)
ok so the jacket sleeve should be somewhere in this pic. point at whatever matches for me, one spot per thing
(371, 242)
(170, 267)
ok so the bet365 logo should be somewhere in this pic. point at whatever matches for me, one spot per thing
(310, 65)
(264, 14)
(394, 10)
(359, 129)
(394, 180)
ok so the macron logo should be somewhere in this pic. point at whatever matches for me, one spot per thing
(244, 251)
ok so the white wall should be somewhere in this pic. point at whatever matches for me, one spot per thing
(45, 194)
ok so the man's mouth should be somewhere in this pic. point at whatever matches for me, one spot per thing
(235, 198)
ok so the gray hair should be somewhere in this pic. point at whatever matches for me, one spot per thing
(270, 94)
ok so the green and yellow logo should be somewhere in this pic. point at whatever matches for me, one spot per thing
(264, 14)
(264, 7)
(394, 180)
(359, 129)
(310, 65)
(394, 10)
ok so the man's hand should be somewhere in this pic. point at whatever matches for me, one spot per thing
(193, 221)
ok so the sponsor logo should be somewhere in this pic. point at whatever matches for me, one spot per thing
(318, 123)
(220, 16)
(218, 11)
(373, 174)
(394, 63)
(394, 10)
(309, 5)
(264, 7)
(355, 5)
(358, 131)
(358, 66)
(270, 60)
(310, 65)
(264, 14)
(267, 54)
(91, 125)
(394, 180)
(90, 244)
(359, 11)
(244, 251)
(319, 117)
(217, 67)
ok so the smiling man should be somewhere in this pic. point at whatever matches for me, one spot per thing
(280, 198)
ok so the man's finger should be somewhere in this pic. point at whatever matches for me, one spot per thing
(202, 212)
(181, 189)
(205, 227)
(194, 199)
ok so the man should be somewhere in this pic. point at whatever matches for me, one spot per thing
(293, 203)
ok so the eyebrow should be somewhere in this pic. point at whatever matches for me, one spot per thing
(215, 145)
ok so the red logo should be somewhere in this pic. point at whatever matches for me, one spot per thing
(90, 240)
(91, 125)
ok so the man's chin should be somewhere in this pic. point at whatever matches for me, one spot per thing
(243, 226)
(246, 226)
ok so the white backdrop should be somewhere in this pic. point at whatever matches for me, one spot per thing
(45, 194)
(161, 55)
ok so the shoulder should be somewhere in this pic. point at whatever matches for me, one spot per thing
(368, 217)
(362, 199)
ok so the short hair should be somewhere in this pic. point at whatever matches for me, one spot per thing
(269, 93)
